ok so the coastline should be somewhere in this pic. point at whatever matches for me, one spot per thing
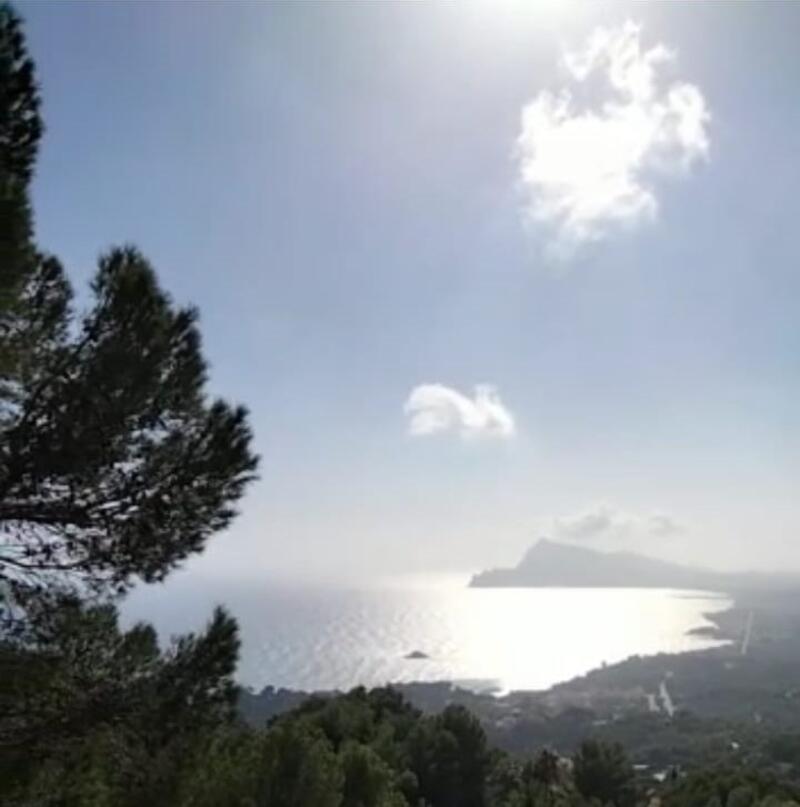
(725, 623)
(435, 695)
(667, 708)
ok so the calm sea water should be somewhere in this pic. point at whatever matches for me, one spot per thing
(336, 637)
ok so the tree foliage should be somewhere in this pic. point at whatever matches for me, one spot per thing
(20, 131)
(114, 465)
(603, 772)
(88, 686)
(729, 788)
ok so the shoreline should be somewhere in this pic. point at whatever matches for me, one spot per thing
(667, 709)
(435, 694)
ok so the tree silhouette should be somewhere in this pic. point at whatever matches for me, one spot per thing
(20, 132)
(602, 771)
(114, 465)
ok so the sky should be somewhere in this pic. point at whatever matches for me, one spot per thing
(482, 272)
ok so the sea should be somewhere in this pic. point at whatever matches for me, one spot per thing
(324, 637)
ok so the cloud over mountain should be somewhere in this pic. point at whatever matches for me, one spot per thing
(604, 521)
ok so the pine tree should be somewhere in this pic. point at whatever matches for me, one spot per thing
(114, 465)
(90, 695)
(602, 771)
(20, 131)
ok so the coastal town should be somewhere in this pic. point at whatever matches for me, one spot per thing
(738, 702)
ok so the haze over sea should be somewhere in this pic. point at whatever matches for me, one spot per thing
(328, 637)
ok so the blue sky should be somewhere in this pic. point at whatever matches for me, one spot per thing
(341, 190)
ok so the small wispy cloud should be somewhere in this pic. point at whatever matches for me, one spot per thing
(604, 521)
(435, 408)
(588, 154)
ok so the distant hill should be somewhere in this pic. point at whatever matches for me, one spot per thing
(553, 564)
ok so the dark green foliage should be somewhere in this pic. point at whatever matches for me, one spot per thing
(392, 754)
(545, 781)
(366, 716)
(76, 670)
(20, 131)
(296, 767)
(546, 769)
(87, 694)
(20, 123)
(784, 748)
(382, 756)
(293, 764)
(113, 465)
(368, 780)
(369, 731)
(450, 757)
(222, 770)
(505, 784)
(603, 772)
(728, 788)
(442, 759)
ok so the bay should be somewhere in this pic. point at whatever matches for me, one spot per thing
(335, 637)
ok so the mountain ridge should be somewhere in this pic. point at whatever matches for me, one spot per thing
(554, 564)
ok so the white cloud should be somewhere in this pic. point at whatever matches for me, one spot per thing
(604, 521)
(587, 169)
(434, 408)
